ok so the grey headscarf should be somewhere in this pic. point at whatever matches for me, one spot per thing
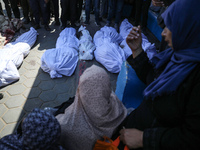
(96, 111)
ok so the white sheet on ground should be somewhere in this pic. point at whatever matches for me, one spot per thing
(12, 56)
(63, 59)
(108, 52)
(125, 28)
(86, 47)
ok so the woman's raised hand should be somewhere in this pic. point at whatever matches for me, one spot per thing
(134, 41)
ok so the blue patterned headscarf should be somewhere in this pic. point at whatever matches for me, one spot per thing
(40, 131)
(182, 18)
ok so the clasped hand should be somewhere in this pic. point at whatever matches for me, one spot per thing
(133, 138)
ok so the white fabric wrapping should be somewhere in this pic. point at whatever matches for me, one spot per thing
(63, 59)
(68, 38)
(125, 28)
(111, 34)
(15, 52)
(8, 72)
(28, 37)
(108, 51)
(12, 56)
(86, 47)
(59, 61)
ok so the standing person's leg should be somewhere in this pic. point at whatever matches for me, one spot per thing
(64, 13)
(96, 11)
(1, 10)
(119, 8)
(34, 4)
(103, 8)
(8, 9)
(15, 9)
(49, 11)
(56, 11)
(145, 10)
(87, 11)
(30, 13)
(25, 8)
(138, 11)
(79, 9)
(45, 14)
(73, 12)
(111, 5)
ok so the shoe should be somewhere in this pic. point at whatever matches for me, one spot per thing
(50, 110)
(57, 23)
(73, 25)
(42, 21)
(86, 23)
(32, 22)
(26, 20)
(97, 24)
(116, 26)
(77, 23)
(1, 95)
(37, 26)
(62, 27)
(108, 24)
(47, 28)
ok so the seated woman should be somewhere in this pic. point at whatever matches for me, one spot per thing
(40, 131)
(169, 116)
(95, 112)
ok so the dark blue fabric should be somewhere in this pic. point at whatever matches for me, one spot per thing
(182, 18)
(40, 131)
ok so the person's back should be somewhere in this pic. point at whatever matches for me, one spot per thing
(95, 112)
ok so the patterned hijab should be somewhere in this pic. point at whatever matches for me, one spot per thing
(96, 111)
(40, 131)
(182, 18)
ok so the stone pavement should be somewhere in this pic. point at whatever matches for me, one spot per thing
(35, 87)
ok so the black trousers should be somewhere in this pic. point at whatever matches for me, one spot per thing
(1, 10)
(27, 12)
(79, 9)
(56, 9)
(68, 11)
(14, 7)
(141, 11)
(37, 6)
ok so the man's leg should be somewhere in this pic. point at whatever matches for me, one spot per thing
(8, 9)
(15, 9)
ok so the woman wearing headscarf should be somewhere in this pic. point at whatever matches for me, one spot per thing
(95, 112)
(40, 131)
(169, 116)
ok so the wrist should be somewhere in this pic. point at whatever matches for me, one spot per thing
(141, 139)
(137, 52)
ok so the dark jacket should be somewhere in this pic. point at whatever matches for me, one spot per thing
(170, 122)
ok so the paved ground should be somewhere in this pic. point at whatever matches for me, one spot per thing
(35, 87)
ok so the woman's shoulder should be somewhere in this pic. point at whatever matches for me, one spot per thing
(194, 77)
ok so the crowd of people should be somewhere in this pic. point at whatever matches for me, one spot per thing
(168, 117)
(40, 12)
